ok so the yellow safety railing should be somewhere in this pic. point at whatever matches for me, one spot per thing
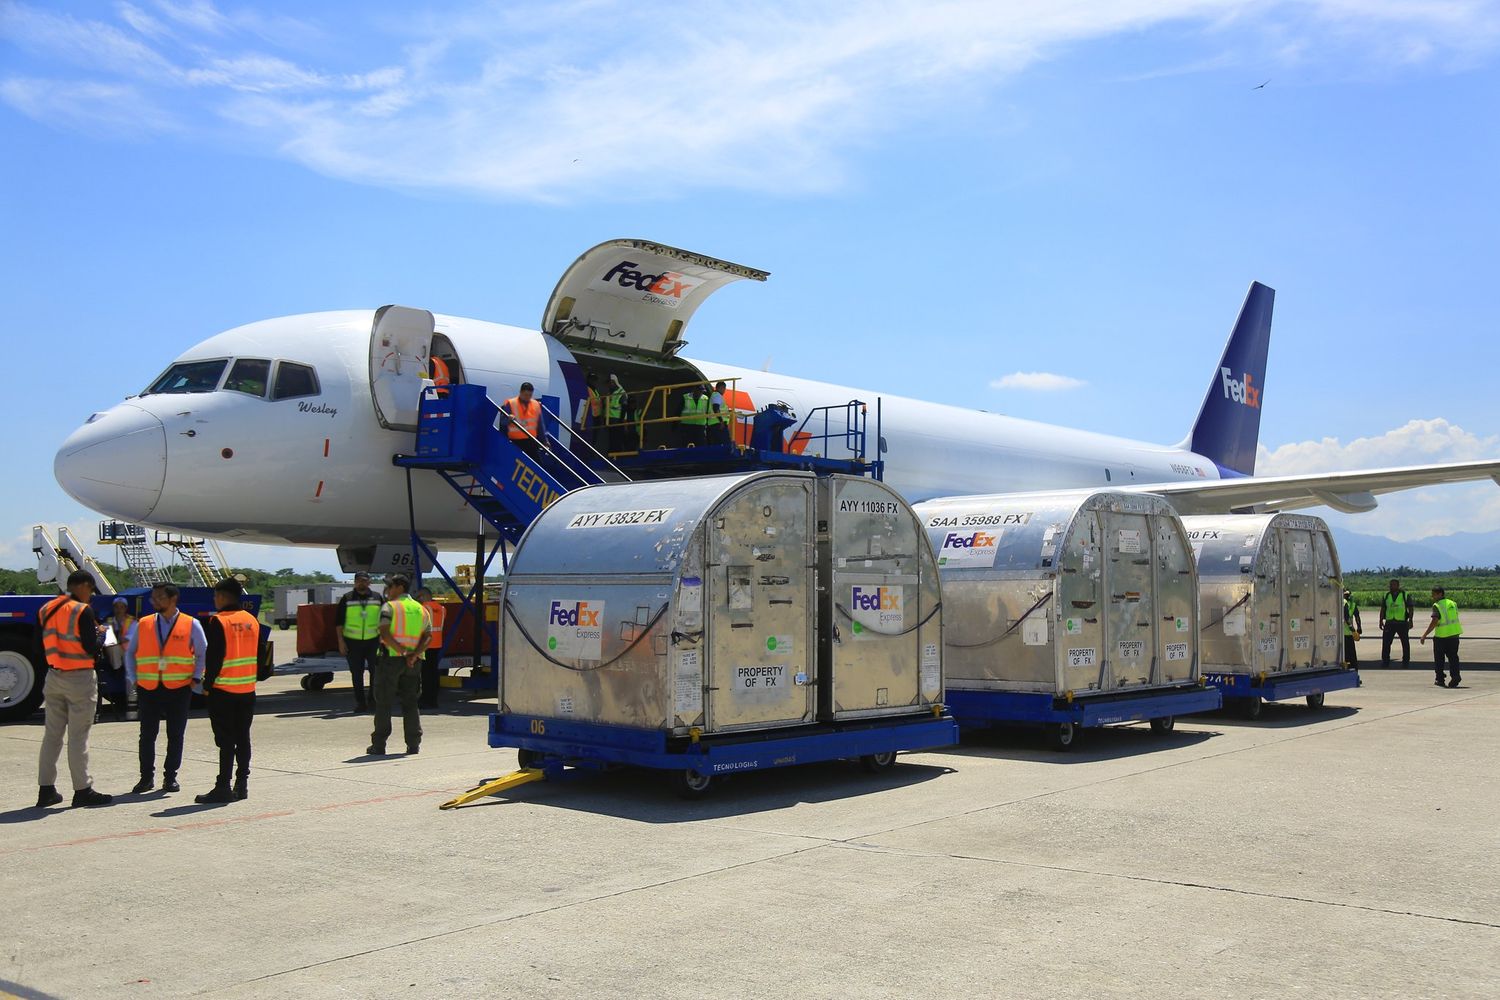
(643, 419)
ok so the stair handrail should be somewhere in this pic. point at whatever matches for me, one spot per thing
(561, 449)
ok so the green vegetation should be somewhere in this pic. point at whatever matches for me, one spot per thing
(1468, 586)
(257, 581)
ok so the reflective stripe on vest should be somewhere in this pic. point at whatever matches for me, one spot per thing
(241, 642)
(596, 403)
(695, 410)
(171, 663)
(436, 615)
(720, 416)
(1447, 625)
(524, 418)
(61, 640)
(362, 617)
(408, 622)
(1395, 606)
(616, 404)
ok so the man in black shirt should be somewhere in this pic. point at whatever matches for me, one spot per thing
(1396, 611)
(358, 624)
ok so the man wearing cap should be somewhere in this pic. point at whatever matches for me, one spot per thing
(358, 623)
(405, 633)
(1352, 628)
(69, 638)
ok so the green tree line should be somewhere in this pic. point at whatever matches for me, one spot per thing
(1468, 586)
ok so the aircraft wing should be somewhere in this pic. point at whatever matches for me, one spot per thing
(1349, 492)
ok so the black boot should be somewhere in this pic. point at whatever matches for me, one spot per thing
(169, 783)
(143, 786)
(216, 795)
(89, 797)
(47, 795)
(242, 787)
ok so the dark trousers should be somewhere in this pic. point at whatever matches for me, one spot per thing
(430, 684)
(1391, 631)
(718, 434)
(1351, 655)
(691, 434)
(1445, 647)
(395, 681)
(169, 705)
(361, 657)
(231, 716)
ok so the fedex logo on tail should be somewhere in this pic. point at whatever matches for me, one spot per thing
(1240, 390)
(574, 614)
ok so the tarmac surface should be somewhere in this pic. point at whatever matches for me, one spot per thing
(1348, 852)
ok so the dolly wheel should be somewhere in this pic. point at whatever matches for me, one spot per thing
(528, 759)
(306, 682)
(1164, 725)
(689, 784)
(1063, 735)
(1251, 708)
(874, 763)
(1315, 700)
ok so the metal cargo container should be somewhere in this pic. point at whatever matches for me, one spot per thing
(1268, 593)
(1067, 594)
(667, 605)
(882, 654)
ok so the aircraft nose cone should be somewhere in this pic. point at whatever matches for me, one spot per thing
(116, 463)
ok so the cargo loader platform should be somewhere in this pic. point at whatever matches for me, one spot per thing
(549, 746)
(1064, 717)
(1248, 693)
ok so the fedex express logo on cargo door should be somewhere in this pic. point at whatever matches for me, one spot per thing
(1240, 390)
(876, 607)
(969, 548)
(666, 289)
(575, 629)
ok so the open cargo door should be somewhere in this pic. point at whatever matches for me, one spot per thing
(400, 343)
(636, 297)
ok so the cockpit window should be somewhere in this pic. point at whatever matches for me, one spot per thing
(189, 376)
(250, 376)
(293, 380)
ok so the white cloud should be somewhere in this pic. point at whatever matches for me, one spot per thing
(588, 98)
(1037, 382)
(1409, 515)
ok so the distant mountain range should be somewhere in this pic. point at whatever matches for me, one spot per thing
(1440, 552)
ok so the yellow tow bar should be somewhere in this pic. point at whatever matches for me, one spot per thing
(513, 780)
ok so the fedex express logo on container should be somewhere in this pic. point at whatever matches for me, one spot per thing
(877, 606)
(665, 289)
(969, 548)
(577, 614)
(1240, 390)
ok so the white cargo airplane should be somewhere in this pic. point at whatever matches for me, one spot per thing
(283, 431)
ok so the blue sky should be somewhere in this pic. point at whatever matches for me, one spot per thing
(946, 194)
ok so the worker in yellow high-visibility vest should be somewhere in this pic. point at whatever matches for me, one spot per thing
(357, 621)
(437, 614)
(1445, 630)
(693, 424)
(165, 663)
(231, 669)
(405, 633)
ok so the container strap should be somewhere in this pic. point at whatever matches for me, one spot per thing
(542, 652)
(889, 635)
(1227, 612)
(990, 642)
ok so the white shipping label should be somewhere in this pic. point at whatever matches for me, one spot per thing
(688, 690)
(1302, 642)
(1034, 632)
(1083, 657)
(1072, 626)
(931, 674)
(1177, 651)
(1267, 645)
(762, 683)
(782, 644)
(1182, 623)
(1130, 541)
(1234, 622)
(1130, 649)
(1329, 642)
(575, 629)
(970, 548)
(565, 705)
(619, 518)
(1296, 624)
(880, 608)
